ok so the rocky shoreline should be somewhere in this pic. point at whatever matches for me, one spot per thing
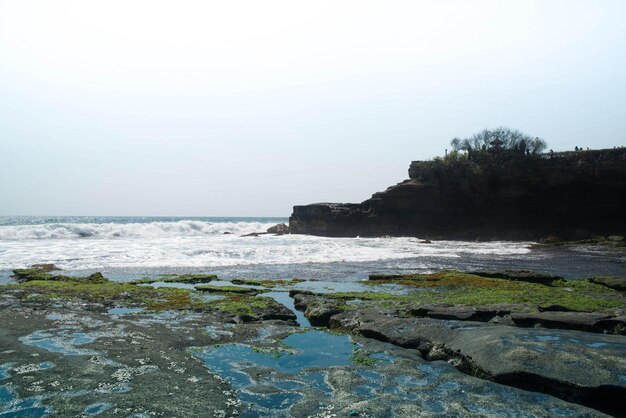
(78, 345)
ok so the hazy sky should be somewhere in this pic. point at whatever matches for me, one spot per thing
(249, 107)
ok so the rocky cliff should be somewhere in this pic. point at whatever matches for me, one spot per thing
(571, 195)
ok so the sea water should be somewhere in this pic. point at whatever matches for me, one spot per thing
(127, 247)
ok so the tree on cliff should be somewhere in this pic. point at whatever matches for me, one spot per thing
(500, 139)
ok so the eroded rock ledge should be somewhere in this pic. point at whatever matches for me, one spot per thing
(536, 359)
(519, 328)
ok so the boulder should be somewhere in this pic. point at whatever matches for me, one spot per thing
(45, 267)
(279, 229)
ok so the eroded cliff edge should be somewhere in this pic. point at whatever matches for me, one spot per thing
(571, 195)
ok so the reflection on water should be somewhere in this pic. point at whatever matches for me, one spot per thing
(284, 299)
(316, 367)
(12, 406)
(292, 370)
(61, 341)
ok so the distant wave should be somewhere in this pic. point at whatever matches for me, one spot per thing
(128, 230)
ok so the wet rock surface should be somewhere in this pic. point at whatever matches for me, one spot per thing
(617, 283)
(535, 359)
(120, 366)
(318, 310)
(519, 275)
(71, 347)
(77, 360)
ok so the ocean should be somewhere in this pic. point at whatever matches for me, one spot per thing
(124, 248)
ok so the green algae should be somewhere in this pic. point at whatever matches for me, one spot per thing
(175, 278)
(45, 289)
(364, 361)
(366, 296)
(229, 289)
(459, 288)
(242, 305)
(107, 293)
(267, 282)
(276, 349)
(612, 282)
(32, 274)
(23, 275)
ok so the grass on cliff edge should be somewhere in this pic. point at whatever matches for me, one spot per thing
(460, 288)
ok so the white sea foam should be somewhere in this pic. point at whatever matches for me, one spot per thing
(126, 230)
(190, 243)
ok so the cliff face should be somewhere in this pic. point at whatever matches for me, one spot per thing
(570, 195)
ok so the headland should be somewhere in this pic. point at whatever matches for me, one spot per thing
(489, 195)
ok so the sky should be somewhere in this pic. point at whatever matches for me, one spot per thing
(246, 108)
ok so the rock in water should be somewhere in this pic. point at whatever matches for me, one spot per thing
(279, 229)
(45, 267)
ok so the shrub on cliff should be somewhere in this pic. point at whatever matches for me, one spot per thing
(487, 160)
(499, 139)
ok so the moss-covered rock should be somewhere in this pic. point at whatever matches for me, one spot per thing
(459, 288)
(175, 278)
(616, 283)
(266, 283)
(229, 289)
(107, 293)
(32, 274)
(249, 308)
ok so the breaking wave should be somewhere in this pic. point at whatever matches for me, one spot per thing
(129, 230)
(125, 242)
